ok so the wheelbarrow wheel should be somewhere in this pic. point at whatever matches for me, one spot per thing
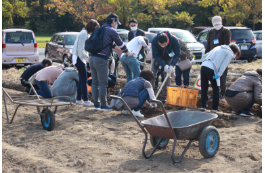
(48, 121)
(209, 141)
(155, 140)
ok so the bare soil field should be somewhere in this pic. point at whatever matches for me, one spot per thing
(85, 140)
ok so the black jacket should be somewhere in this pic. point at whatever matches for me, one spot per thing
(139, 32)
(31, 70)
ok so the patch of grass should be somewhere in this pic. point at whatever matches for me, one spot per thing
(41, 45)
(41, 40)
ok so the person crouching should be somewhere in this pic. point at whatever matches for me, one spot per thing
(138, 91)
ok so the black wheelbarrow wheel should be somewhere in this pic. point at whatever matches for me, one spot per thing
(155, 140)
(48, 121)
(209, 141)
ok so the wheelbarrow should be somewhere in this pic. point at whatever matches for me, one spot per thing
(47, 115)
(179, 125)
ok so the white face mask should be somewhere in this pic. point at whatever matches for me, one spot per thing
(134, 28)
(218, 27)
(116, 25)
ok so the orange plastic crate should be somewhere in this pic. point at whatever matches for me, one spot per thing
(182, 97)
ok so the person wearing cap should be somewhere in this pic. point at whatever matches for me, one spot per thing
(46, 77)
(218, 36)
(99, 62)
(131, 64)
(166, 53)
(135, 31)
(214, 65)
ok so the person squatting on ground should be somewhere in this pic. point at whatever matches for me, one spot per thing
(244, 92)
(218, 36)
(66, 84)
(138, 91)
(135, 31)
(80, 58)
(185, 54)
(166, 52)
(46, 77)
(99, 62)
(131, 64)
(31, 70)
(215, 63)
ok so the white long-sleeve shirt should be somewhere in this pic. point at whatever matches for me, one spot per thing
(79, 47)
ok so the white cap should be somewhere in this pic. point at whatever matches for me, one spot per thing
(216, 20)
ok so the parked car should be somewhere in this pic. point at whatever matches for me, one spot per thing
(119, 30)
(60, 47)
(19, 47)
(124, 38)
(242, 36)
(258, 35)
(198, 29)
(196, 48)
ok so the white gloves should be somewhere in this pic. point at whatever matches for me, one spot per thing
(153, 105)
(147, 49)
(129, 54)
(171, 69)
(166, 68)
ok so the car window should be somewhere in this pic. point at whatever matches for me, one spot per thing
(70, 39)
(150, 37)
(55, 37)
(186, 36)
(60, 38)
(154, 32)
(203, 36)
(19, 37)
(258, 36)
(124, 37)
(242, 34)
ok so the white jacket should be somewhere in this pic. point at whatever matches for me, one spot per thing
(79, 47)
(221, 57)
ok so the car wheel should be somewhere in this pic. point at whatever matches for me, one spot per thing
(66, 60)
(250, 59)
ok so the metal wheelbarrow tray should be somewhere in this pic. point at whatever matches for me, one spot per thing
(179, 125)
(47, 115)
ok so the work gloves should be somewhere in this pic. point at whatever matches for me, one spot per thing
(168, 69)
(153, 105)
(216, 76)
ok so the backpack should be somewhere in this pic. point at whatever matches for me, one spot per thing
(94, 44)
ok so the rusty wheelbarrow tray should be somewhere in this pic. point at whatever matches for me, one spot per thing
(47, 115)
(179, 125)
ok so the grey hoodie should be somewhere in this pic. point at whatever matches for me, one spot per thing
(221, 57)
(66, 84)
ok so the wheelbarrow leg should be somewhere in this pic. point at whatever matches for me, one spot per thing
(183, 153)
(6, 108)
(14, 114)
(153, 151)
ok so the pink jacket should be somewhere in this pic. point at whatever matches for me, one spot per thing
(49, 74)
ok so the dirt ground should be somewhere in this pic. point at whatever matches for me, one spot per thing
(85, 140)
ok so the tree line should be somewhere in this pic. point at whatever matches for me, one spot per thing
(49, 16)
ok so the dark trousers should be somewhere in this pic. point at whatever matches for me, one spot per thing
(143, 96)
(223, 82)
(186, 76)
(82, 87)
(249, 106)
(28, 86)
(157, 78)
(206, 76)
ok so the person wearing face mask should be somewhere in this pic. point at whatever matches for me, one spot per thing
(135, 31)
(218, 36)
(214, 65)
(166, 53)
(99, 62)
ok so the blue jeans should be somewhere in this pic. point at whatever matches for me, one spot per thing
(131, 67)
(82, 87)
(44, 91)
(186, 76)
(143, 96)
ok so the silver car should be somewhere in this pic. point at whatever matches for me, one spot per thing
(258, 35)
(196, 48)
(19, 47)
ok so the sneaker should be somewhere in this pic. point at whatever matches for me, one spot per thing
(88, 104)
(79, 102)
(215, 111)
(137, 114)
(246, 114)
(107, 108)
(96, 107)
(125, 112)
(202, 109)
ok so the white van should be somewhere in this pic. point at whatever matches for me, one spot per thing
(196, 48)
